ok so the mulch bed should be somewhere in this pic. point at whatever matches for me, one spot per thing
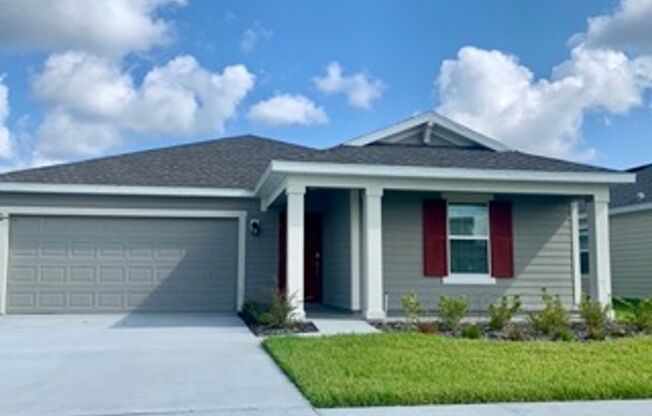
(259, 330)
(525, 331)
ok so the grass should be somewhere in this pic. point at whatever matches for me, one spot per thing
(623, 308)
(412, 369)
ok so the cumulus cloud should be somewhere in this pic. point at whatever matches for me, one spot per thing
(286, 109)
(494, 93)
(629, 28)
(5, 138)
(360, 89)
(92, 100)
(254, 35)
(113, 27)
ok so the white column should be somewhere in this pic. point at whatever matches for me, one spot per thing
(575, 247)
(295, 252)
(600, 261)
(354, 206)
(372, 282)
(4, 260)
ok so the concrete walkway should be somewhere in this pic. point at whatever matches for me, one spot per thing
(334, 326)
(593, 408)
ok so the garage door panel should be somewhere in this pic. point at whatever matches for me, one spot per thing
(70, 265)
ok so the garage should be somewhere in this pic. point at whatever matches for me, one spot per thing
(60, 264)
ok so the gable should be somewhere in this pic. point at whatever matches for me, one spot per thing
(431, 130)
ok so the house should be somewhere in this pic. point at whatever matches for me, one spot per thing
(424, 205)
(631, 235)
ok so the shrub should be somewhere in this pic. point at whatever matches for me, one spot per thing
(501, 314)
(253, 310)
(594, 316)
(553, 318)
(472, 332)
(564, 334)
(452, 310)
(516, 334)
(642, 315)
(413, 309)
(281, 310)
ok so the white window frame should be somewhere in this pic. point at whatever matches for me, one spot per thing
(468, 278)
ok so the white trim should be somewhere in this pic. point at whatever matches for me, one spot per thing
(4, 258)
(434, 119)
(354, 201)
(419, 172)
(372, 230)
(468, 279)
(575, 250)
(125, 190)
(631, 208)
(241, 216)
(294, 246)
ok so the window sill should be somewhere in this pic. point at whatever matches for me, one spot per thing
(469, 279)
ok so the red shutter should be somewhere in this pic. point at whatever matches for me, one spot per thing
(502, 247)
(434, 238)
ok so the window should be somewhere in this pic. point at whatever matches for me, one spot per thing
(584, 251)
(468, 234)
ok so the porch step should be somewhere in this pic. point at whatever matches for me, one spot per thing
(342, 326)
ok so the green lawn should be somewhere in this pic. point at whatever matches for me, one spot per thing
(410, 369)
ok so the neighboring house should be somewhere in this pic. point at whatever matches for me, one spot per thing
(631, 236)
(425, 205)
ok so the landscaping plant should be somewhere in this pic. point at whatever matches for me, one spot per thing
(452, 310)
(553, 319)
(642, 315)
(281, 310)
(472, 332)
(595, 317)
(413, 309)
(501, 314)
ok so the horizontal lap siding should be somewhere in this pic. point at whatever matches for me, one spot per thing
(337, 250)
(261, 255)
(631, 254)
(542, 254)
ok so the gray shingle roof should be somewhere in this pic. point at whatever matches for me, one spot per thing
(639, 192)
(238, 162)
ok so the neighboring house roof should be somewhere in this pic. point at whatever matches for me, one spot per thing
(428, 140)
(636, 193)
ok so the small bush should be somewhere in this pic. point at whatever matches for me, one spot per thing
(501, 314)
(253, 310)
(553, 318)
(472, 332)
(594, 316)
(516, 334)
(428, 327)
(413, 309)
(642, 315)
(564, 334)
(452, 310)
(281, 310)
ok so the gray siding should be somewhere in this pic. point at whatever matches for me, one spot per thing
(542, 254)
(337, 250)
(261, 254)
(631, 254)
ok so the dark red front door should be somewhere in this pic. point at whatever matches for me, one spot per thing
(312, 276)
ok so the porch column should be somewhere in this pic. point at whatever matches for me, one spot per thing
(600, 261)
(294, 246)
(372, 282)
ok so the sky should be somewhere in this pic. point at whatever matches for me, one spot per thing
(82, 79)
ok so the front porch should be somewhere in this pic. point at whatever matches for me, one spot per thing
(369, 247)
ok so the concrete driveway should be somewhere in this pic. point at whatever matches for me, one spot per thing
(160, 364)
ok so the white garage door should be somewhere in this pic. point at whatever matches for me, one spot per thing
(95, 265)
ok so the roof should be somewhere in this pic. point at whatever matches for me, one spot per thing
(239, 162)
(636, 193)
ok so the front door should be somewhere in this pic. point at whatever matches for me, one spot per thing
(312, 275)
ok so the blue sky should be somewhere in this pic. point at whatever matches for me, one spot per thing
(390, 53)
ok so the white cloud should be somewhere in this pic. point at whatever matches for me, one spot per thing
(91, 100)
(629, 28)
(252, 36)
(5, 137)
(114, 27)
(492, 92)
(360, 89)
(287, 109)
